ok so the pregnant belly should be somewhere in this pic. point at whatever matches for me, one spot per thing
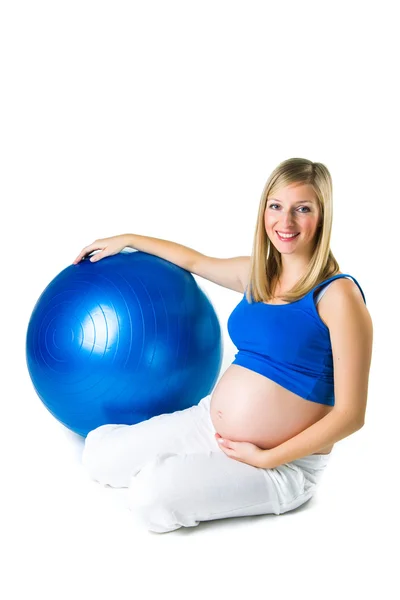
(246, 406)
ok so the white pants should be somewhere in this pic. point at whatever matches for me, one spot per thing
(178, 475)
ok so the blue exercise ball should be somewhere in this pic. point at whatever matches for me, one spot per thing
(122, 340)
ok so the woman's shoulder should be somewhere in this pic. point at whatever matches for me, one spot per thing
(342, 298)
(339, 289)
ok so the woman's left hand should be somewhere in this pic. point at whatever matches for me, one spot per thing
(245, 452)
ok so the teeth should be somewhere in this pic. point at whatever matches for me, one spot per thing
(287, 235)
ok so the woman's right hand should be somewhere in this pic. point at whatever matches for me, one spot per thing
(107, 247)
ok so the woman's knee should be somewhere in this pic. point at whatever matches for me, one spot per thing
(99, 458)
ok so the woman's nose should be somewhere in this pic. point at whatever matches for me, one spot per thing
(287, 219)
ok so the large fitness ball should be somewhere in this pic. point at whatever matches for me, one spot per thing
(122, 340)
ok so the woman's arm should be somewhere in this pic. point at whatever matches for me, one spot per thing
(351, 333)
(330, 429)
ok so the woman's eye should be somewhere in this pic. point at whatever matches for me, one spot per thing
(306, 207)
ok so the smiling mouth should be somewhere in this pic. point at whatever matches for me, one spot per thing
(287, 239)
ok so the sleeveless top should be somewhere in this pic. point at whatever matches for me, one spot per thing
(288, 343)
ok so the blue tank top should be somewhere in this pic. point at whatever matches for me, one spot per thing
(288, 343)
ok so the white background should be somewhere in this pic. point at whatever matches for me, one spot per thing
(166, 119)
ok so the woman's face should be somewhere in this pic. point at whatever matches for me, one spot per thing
(293, 209)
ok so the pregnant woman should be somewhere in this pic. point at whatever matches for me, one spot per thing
(299, 381)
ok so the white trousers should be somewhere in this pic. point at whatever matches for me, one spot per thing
(178, 475)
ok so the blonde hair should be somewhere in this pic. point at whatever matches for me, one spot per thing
(266, 264)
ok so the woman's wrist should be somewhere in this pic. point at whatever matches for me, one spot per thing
(128, 240)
